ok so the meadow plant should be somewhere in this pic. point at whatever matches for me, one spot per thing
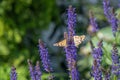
(97, 70)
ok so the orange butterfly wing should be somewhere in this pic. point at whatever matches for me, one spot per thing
(77, 40)
(61, 43)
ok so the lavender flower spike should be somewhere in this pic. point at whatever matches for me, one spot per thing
(114, 23)
(13, 74)
(37, 71)
(93, 22)
(44, 56)
(96, 71)
(107, 73)
(115, 61)
(71, 51)
(71, 60)
(97, 52)
(107, 9)
(31, 69)
(71, 20)
(107, 76)
(110, 15)
(97, 55)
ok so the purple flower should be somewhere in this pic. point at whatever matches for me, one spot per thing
(115, 61)
(96, 71)
(110, 15)
(44, 56)
(71, 60)
(71, 20)
(107, 76)
(114, 24)
(93, 23)
(31, 69)
(37, 71)
(97, 55)
(97, 52)
(75, 74)
(13, 74)
(107, 8)
(70, 50)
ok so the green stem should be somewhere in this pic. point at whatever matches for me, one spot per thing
(50, 77)
(115, 77)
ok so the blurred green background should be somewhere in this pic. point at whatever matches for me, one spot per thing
(23, 22)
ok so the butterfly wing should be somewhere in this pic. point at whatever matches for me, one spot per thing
(61, 43)
(78, 40)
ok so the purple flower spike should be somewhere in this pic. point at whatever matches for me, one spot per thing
(96, 71)
(93, 22)
(37, 71)
(71, 60)
(107, 9)
(114, 23)
(97, 55)
(44, 56)
(71, 51)
(13, 74)
(107, 76)
(110, 15)
(97, 52)
(115, 61)
(75, 74)
(31, 69)
(71, 20)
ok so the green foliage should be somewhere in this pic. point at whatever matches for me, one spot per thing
(21, 21)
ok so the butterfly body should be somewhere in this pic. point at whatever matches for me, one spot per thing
(77, 41)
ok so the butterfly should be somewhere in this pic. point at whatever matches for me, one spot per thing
(77, 41)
